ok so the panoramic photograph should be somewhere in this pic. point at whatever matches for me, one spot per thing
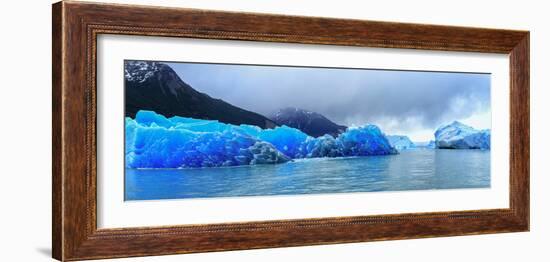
(204, 130)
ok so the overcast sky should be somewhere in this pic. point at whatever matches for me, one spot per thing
(400, 102)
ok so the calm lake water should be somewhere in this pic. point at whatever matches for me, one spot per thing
(420, 169)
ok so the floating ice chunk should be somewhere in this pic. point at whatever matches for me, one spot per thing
(401, 142)
(460, 136)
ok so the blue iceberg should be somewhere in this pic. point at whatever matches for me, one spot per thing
(286, 139)
(324, 146)
(366, 140)
(261, 153)
(431, 144)
(401, 142)
(460, 136)
(154, 141)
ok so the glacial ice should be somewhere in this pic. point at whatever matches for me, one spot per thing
(324, 146)
(431, 144)
(287, 139)
(261, 153)
(154, 141)
(365, 141)
(460, 136)
(401, 142)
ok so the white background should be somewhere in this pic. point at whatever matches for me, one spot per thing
(25, 147)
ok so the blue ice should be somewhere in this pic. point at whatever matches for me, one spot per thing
(460, 136)
(154, 141)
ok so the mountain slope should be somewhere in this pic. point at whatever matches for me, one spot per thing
(311, 123)
(155, 86)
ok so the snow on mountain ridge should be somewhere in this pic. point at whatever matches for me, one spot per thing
(140, 71)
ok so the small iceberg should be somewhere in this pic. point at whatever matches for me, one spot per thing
(401, 142)
(460, 136)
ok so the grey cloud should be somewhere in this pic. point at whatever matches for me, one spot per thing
(413, 100)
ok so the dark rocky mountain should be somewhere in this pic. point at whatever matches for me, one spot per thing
(311, 123)
(155, 86)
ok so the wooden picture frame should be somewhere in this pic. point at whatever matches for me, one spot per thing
(76, 26)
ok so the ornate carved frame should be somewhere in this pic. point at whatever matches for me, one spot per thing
(76, 26)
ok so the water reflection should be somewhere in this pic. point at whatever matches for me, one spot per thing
(410, 170)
